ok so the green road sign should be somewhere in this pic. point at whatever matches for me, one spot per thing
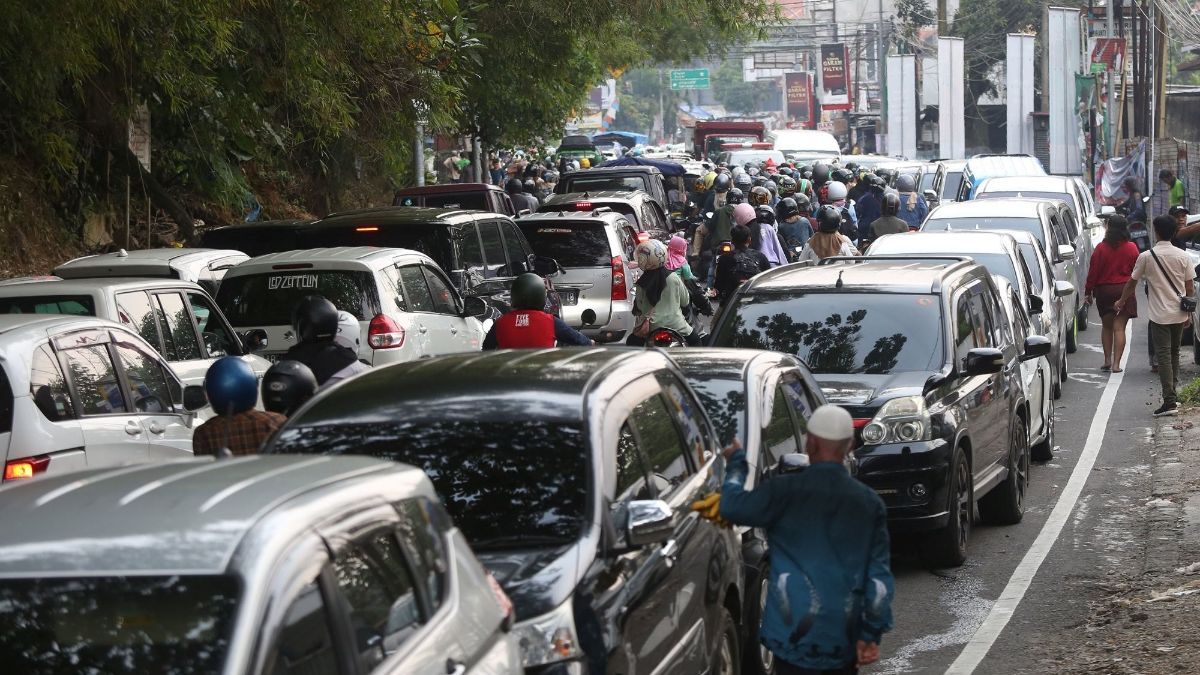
(695, 78)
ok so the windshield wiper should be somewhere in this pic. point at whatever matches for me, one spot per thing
(519, 541)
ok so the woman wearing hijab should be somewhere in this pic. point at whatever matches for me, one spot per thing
(661, 294)
(677, 258)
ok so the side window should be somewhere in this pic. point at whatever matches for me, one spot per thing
(964, 328)
(416, 292)
(1020, 320)
(1060, 233)
(378, 587)
(998, 320)
(1069, 223)
(517, 256)
(493, 249)
(660, 438)
(48, 387)
(95, 380)
(980, 320)
(779, 435)
(180, 334)
(426, 545)
(649, 216)
(688, 417)
(135, 311)
(305, 643)
(802, 403)
(392, 287)
(444, 300)
(628, 238)
(147, 382)
(631, 467)
(218, 340)
(469, 252)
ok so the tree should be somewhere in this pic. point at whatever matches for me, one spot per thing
(914, 15)
(742, 97)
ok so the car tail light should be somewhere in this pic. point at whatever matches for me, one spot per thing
(661, 337)
(385, 333)
(503, 600)
(367, 228)
(26, 467)
(619, 290)
(583, 206)
(726, 247)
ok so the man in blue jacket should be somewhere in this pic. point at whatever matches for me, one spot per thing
(831, 582)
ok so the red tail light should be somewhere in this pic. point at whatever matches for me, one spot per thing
(619, 290)
(583, 206)
(385, 333)
(26, 467)
(661, 337)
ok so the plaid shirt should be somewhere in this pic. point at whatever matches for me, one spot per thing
(242, 433)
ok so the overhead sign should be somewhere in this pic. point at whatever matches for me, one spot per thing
(693, 78)
(799, 99)
(1107, 54)
(835, 77)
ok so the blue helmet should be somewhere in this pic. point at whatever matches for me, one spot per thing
(231, 386)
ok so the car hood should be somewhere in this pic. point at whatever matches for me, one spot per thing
(536, 580)
(856, 389)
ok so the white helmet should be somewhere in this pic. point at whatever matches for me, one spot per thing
(837, 191)
(348, 331)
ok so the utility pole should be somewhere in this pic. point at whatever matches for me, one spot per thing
(1110, 79)
(943, 29)
(419, 154)
(881, 77)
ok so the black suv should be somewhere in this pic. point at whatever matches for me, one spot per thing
(571, 473)
(918, 350)
(649, 179)
(639, 207)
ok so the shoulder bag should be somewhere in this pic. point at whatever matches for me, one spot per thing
(1186, 304)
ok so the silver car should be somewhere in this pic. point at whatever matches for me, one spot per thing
(249, 565)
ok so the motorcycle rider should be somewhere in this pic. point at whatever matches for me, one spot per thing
(527, 326)
(735, 197)
(836, 193)
(738, 265)
(888, 223)
(286, 386)
(760, 196)
(764, 237)
(521, 201)
(315, 323)
(238, 428)
(348, 336)
(913, 208)
(787, 187)
(868, 206)
(828, 241)
(795, 229)
(662, 295)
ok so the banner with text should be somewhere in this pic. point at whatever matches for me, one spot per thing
(835, 77)
(799, 99)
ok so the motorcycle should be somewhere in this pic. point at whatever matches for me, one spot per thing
(665, 338)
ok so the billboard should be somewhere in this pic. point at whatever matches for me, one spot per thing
(799, 99)
(835, 77)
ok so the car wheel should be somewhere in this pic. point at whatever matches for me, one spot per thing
(1005, 504)
(1044, 450)
(947, 547)
(759, 660)
(1081, 317)
(726, 660)
(1073, 337)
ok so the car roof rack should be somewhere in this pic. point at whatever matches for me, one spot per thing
(956, 262)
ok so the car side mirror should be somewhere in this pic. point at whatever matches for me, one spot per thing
(930, 196)
(194, 398)
(475, 306)
(1036, 346)
(1108, 210)
(1063, 289)
(1066, 252)
(1036, 305)
(792, 462)
(545, 266)
(254, 340)
(651, 521)
(983, 361)
(524, 212)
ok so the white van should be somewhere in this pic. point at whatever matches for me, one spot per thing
(805, 143)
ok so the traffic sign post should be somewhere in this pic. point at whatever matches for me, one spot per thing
(694, 78)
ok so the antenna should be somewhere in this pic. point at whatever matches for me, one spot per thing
(839, 279)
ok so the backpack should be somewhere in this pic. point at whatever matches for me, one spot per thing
(745, 266)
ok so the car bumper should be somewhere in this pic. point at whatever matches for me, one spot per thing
(912, 479)
(620, 322)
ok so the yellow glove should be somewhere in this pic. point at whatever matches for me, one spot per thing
(709, 508)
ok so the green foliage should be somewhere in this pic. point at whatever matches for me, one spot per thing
(1189, 394)
(742, 97)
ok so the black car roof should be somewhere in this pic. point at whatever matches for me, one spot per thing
(882, 274)
(548, 385)
(402, 215)
(725, 363)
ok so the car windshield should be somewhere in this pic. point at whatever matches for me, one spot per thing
(75, 305)
(1030, 225)
(268, 299)
(602, 182)
(146, 624)
(571, 243)
(507, 484)
(872, 333)
(951, 184)
(475, 201)
(1031, 261)
(433, 240)
(724, 400)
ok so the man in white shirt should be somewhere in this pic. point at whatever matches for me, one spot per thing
(1168, 272)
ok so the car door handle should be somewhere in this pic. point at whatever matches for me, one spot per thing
(422, 329)
(455, 667)
(670, 549)
(453, 330)
(133, 428)
(155, 428)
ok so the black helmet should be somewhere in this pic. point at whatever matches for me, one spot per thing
(820, 172)
(530, 186)
(315, 319)
(875, 181)
(286, 386)
(806, 173)
(829, 219)
(735, 196)
(513, 186)
(722, 183)
(851, 166)
(760, 180)
(905, 183)
(891, 203)
(786, 208)
(786, 170)
(765, 214)
(528, 292)
(771, 187)
(883, 172)
(743, 181)
(803, 203)
(759, 195)
(841, 176)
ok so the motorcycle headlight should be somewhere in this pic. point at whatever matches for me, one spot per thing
(548, 638)
(900, 420)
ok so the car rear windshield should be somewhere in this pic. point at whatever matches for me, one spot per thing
(872, 333)
(475, 201)
(268, 299)
(75, 305)
(1024, 194)
(433, 240)
(571, 243)
(507, 484)
(1030, 225)
(152, 624)
(624, 208)
(602, 182)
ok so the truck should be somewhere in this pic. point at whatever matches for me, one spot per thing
(709, 135)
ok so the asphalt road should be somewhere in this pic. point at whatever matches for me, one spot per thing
(937, 612)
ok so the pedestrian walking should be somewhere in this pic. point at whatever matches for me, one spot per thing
(831, 583)
(1177, 191)
(1168, 272)
(1112, 264)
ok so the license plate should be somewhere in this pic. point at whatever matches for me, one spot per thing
(569, 297)
(273, 358)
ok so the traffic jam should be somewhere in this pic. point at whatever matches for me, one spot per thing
(495, 429)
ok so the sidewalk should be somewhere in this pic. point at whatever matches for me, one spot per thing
(1144, 617)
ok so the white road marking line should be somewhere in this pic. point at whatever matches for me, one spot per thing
(1006, 605)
